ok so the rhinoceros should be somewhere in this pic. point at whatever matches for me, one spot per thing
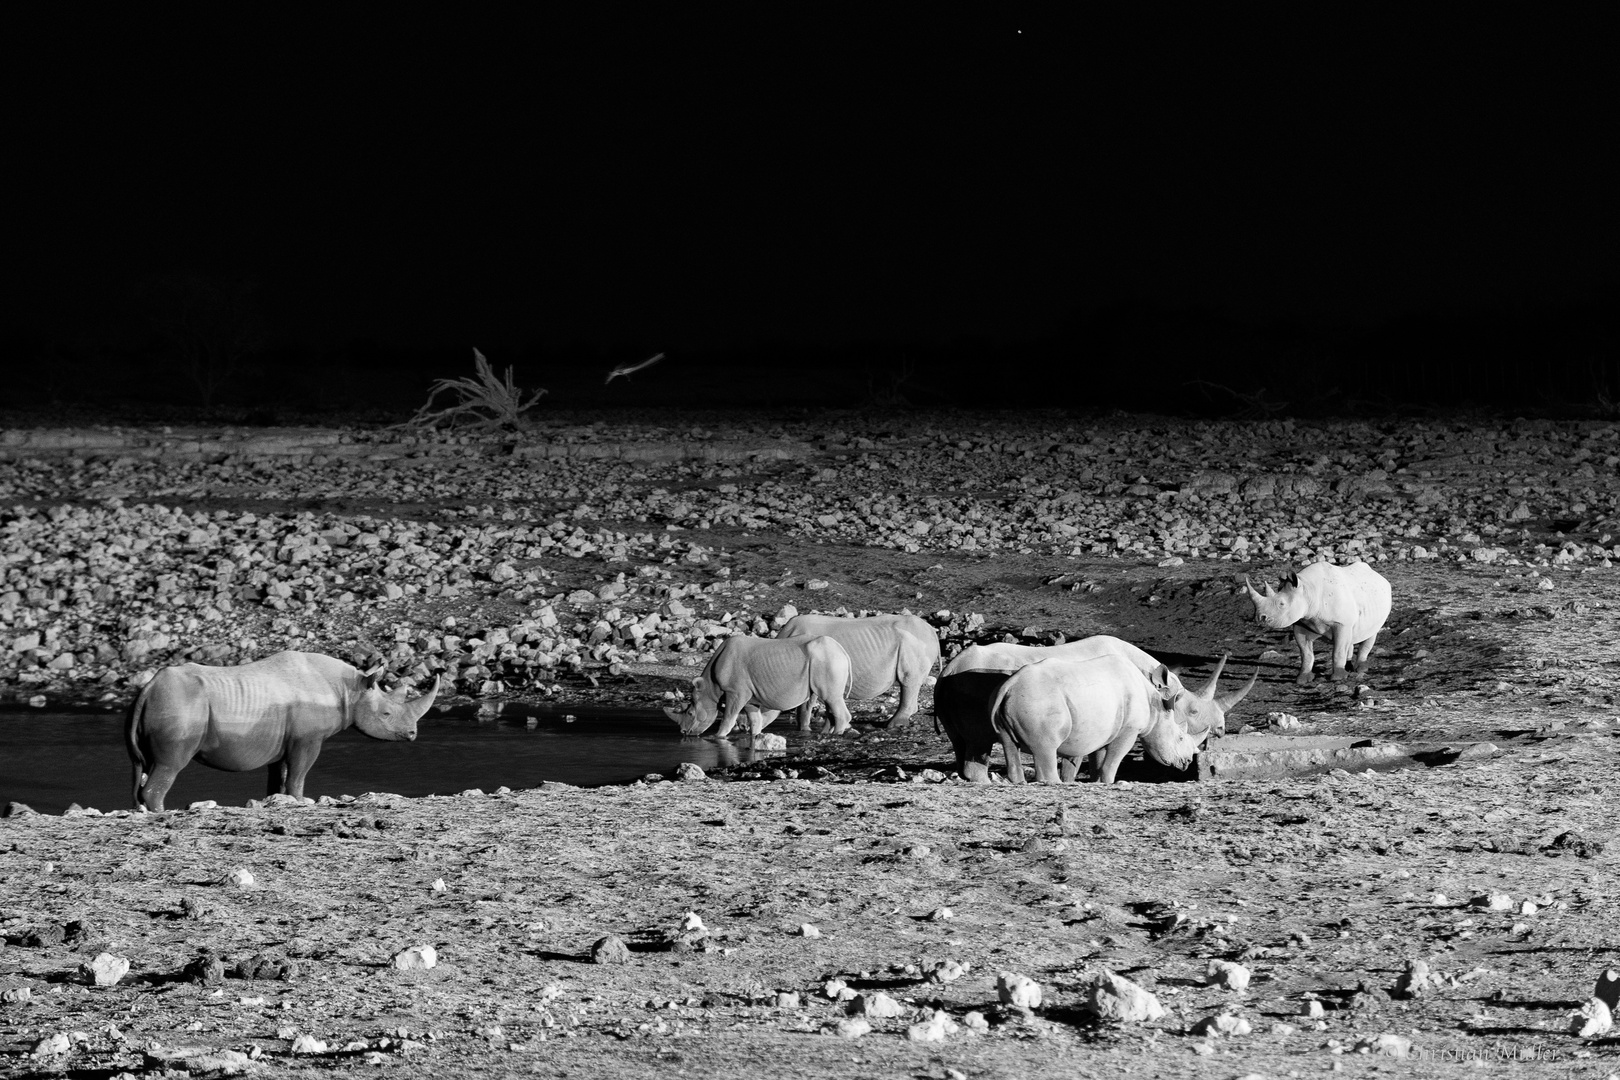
(767, 676)
(1351, 602)
(276, 712)
(884, 650)
(970, 681)
(1070, 709)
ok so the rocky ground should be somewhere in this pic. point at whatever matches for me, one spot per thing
(586, 561)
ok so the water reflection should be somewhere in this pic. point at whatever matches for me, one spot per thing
(54, 759)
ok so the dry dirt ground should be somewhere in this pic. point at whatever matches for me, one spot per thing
(1495, 866)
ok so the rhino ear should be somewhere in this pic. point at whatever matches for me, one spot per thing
(1160, 678)
(1288, 579)
(370, 677)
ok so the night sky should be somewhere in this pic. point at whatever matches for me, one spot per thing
(417, 180)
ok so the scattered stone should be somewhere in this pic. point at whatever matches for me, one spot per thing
(1593, 1019)
(787, 999)
(1496, 901)
(878, 1006)
(308, 1044)
(17, 809)
(765, 741)
(807, 930)
(932, 1030)
(16, 995)
(945, 972)
(1575, 844)
(105, 970)
(941, 914)
(1387, 1044)
(260, 966)
(1225, 973)
(198, 1061)
(1019, 991)
(852, 1027)
(1312, 1009)
(1413, 982)
(1222, 1024)
(1203, 1049)
(975, 1021)
(207, 969)
(240, 878)
(52, 1046)
(689, 772)
(833, 988)
(424, 957)
(203, 804)
(1281, 721)
(1119, 1000)
(610, 950)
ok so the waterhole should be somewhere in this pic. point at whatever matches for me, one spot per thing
(51, 760)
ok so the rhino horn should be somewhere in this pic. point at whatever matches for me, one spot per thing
(415, 710)
(1208, 693)
(1228, 702)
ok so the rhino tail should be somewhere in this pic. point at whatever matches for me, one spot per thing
(133, 719)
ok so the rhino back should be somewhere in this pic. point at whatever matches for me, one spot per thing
(1081, 704)
(873, 645)
(769, 670)
(308, 691)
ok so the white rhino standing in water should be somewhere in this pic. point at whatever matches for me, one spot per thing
(1350, 602)
(884, 651)
(767, 676)
(276, 712)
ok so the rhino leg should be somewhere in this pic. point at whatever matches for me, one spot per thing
(838, 709)
(158, 782)
(760, 719)
(907, 708)
(1305, 640)
(300, 756)
(1069, 768)
(804, 714)
(728, 719)
(1113, 755)
(1364, 650)
(1046, 765)
(1015, 763)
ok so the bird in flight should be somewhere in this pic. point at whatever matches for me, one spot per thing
(627, 369)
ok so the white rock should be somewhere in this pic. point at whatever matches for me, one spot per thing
(944, 972)
(203, 804)
(106, 969)
(416, 958)
(807, 930)
(933, 1030)
(1593, 1019)
(1226, 974)
(1496, 901)
(878, 1007)
(833, 987)
(1311, 1008)
(1118, 999)
(240, 878)
(308, 1044)
(1222, 1024)
(941, 914)
(1019, 991)
(1387, 1044)
(439, 886)
(851, 1027)
(975, 1021)
(53, 1045)
(691, 923)
(767, 741)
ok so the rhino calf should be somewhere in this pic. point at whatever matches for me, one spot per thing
(1070, 709)
(969, 684)
(767, 676)
(1350, 602)
(884, 651)
(276, 712)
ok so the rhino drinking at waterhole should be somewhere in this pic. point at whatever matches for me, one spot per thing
(767, 676)
(1070, 709)
(971, 680)
(1350, 602)
(276, 712)
(884, 651)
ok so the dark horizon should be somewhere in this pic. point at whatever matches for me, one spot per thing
(1242, 200)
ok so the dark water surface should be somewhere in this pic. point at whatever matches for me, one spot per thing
(50, 760)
